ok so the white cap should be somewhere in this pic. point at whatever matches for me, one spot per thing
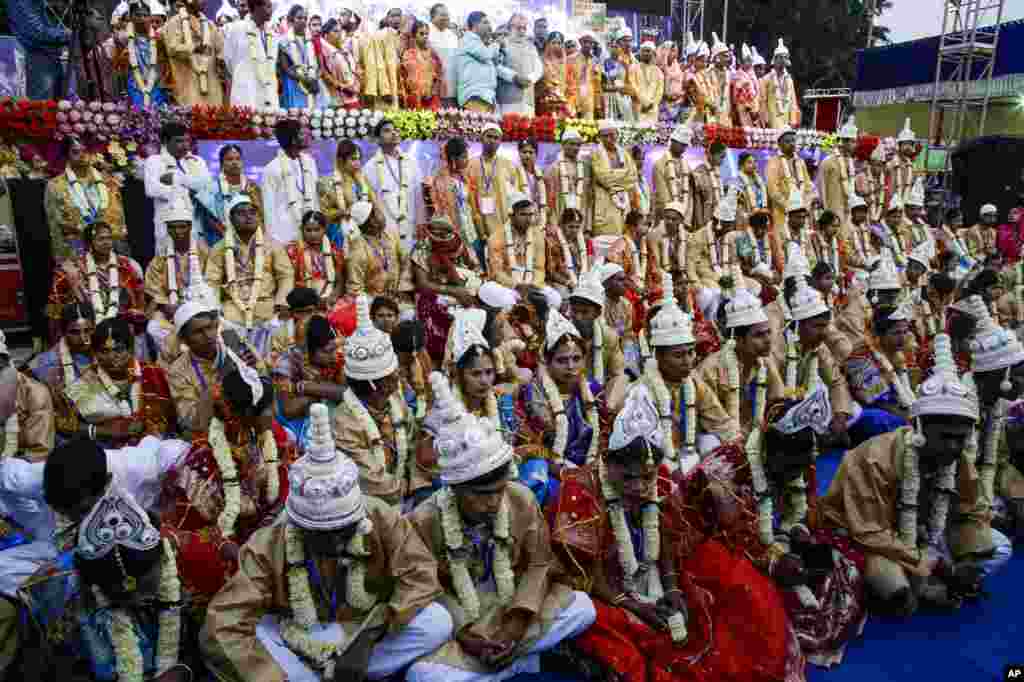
(590, 287)
(516, 197)
(648, 44)
(988, 208)
(492, 125)
(758, 59)
(361, 211)
(571, 134)
(807, 302)
(496, 296)
(608, 270)
(237, 200)
(885, 276)
(682, 134)
(857, 201)
(781, 50)
(468, 447)
(717, 46)
(906, 135)
(993, 347)
(743, 310)
(916, 195)
(557, 327)
(671, 326)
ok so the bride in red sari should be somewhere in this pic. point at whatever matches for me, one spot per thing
(672, 605)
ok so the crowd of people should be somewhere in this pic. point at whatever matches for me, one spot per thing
(377, 425)
(248, 57)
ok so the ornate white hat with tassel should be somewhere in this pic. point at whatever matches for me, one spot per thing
(468, 447)
(992, 347)
(796, 263)
(743, 310)
(556, 327)
(781, 50)
(943, 393)
(466, 331)
(324, 491)
(369, 354)
(807, 302)
(916, 195)
(906, 135)
(671, 326)
(717, 46)
(885, 276)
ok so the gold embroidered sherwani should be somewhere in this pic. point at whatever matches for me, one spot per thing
(65, 218)
(864, 496)
(980, 241)
(613, 183)
(506, 273)
(276, 281)
(779, 110)
(588, 79)
(720, 97)
(780, 185)
(564, 173)
(379, 61)
(380, 479)
(539, 590)
(195, 76)
(713, 373)
(648, 83)
(700, 90)
(837, 176)
(699, 249)
(666, 190)
(711, 416)
(493, 179)
(373, 266)
(36, 419)
(708, 191)
(400, 571)
(337, 192)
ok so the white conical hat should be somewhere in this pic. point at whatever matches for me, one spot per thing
(726, 209)
(466, 331)
(369, 354)
(916, 195)
(745, 54)
(743, 310)
(807, 302)
(467, 447)
(758, 59)
(590, 287)
(857, 201)
(943, 393)
(906, 135)
(796, 263)
(848, 131)
(671, 326)
(324, 491)
(993, 347)
(691, 44)
(796, 201)
(781, 50)
(885, 276)
(558, 326)
(703, 50)
(682, 134)
(717, 46)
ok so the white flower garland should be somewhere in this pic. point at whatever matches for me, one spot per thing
(988, 463)
(80, 196)
(128, 657)
(663, 399)
(793, 366)
(458, 560)
(172, 274)
(396, 411)
(597, 349)
(295, 630)
(263, 55)
(899, 381)
(304, 60)
(748, 190)
(678, 189)
(403, 185)
(134, 402)
(524, 275)
(557, 405)
(575, 192)
(248, 306)
(229, 477)
(298, 203)
(681, 237)
(574, 273)
(200, 62)
(542, 194)
(268, 447)
(765, 503)
(67, 363)
(782, 99)
(12, 429)
(732, 377)
(103, 312)
(146, 83)
(910, 489)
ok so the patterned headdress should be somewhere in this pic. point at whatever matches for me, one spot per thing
(369, 354)
(637, 419)
(781, 50)
(557, 327)
(682, 134)
(468, 447)
(743, 310)
(916, 195)
(671, 326)
(717, 46)
(590, 287)
(993, 347)
(324, 489)
(813, 412)
(807, 302)
(906, 135)
(885, 276)
(943, 393)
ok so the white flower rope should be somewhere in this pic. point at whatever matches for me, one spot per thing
(80, 196)
(145, 83)
(200, 62)
(268, 447)
(128, 657)
(574, 272)
(557, 405)
(663, 400)
(248, 305)
(263, 56)
(575, 190)
(677, 188)
(899, 380)
(597, 349)
(765, 503)
(402, 182)
(396, 411)
(524, 275)
(295, 630)
(910, 489)
(172, 274)
(988, 462)
(103, 312)
(458, 556)
(228, 475)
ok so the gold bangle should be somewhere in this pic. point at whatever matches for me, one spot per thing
(619, 599)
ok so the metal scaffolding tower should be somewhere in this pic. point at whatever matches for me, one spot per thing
(689, 16)
(963, 70)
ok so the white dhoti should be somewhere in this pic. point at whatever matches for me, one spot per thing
(571, 621)
(424, 634)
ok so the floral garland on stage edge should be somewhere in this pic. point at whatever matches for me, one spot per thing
(103, 121)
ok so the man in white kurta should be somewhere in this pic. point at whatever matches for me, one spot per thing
(170, 176)
(396, 181)
(288, 185)
(444, 41)
(250, 53)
